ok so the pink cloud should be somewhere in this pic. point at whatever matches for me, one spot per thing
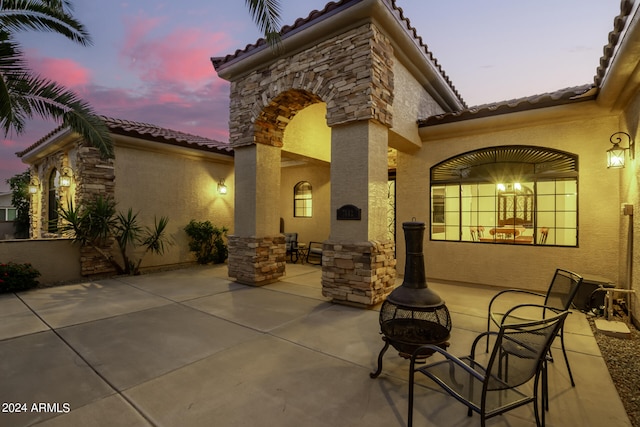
(9, 143)
(180, 56)
(66, 72)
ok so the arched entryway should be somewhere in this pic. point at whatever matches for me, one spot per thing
(357, 89)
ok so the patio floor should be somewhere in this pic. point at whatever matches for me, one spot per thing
(193, 348)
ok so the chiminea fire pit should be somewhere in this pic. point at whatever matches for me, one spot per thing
(413, 315)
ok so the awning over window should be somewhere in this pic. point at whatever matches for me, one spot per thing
(495, 164)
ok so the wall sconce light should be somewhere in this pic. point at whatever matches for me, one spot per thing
(615, 154)
(222, 187)
(66, 177)
(34, 185)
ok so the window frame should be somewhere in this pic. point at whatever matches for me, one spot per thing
(303, 200)
(530, 165)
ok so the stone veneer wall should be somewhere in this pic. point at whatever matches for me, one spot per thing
(95, 176)
(358, 273)
(351, 72)
(257, 261)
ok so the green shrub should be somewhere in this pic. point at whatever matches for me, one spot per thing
(207, 241)
(17, 277)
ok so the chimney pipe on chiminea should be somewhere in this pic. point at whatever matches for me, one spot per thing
(414, 291)
(413, 314)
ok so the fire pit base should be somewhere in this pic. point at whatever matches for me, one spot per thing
(406, 355)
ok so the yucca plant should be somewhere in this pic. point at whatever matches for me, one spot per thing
(96, 222)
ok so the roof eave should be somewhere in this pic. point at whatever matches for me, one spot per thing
(577, 110)
(620, 78)
(409, 48)
(55, 140)
(293, 41)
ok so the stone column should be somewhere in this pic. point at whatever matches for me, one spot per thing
(257, 249)
(358, 264)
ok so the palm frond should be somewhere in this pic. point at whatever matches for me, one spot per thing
(18, 15)
(30, 95)
(12, 68)
(266, 15)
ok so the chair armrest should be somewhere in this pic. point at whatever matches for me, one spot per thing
(486, 335)
(435, 349)
(490, 313)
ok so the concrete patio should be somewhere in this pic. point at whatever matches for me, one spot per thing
(192, 348)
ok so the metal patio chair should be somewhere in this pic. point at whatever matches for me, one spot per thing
(291, 246)
(495, 388)
(314, 254)
(559, 295)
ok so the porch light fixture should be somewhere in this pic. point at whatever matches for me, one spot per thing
(66, 177)
(222, 187)
(34, 185)
(615, 154)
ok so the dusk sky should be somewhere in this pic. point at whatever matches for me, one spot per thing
(150, 60)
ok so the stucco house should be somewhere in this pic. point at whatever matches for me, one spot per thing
(7, 216)
(353, 127)
(155, 171)
(509, 191)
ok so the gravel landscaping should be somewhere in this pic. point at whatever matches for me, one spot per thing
(622, 356)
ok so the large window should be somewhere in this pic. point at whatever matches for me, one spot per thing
(510, 195)
(302, 200)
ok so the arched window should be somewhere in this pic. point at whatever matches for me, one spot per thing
(511, 194)
(302, 200)
(54, 179)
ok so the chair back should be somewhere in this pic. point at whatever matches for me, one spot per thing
(525, 344)
(291, 241)
(563, 289)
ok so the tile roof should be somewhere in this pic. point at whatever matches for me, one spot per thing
(328, 10)
(563, 96)
(164, 135)
(614, 36)
(149, 132)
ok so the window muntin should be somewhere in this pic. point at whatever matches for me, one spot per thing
(534, 201)
(302, 200)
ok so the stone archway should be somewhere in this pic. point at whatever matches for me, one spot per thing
(352, 72)
(273, 119)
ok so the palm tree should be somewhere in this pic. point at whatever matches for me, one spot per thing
(266, 15)
(23, 94)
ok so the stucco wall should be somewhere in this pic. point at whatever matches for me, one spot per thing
(411, 102)
(317, 227)
(175, 185)
(630, 225)
(308, 135)
(521, 266)
(57, 260)
(6, 230)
